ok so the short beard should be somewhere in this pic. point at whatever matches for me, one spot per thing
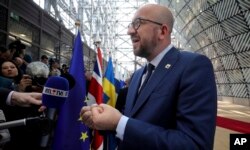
(146, 50)
(142, 52)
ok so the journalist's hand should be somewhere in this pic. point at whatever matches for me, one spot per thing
(26, 99)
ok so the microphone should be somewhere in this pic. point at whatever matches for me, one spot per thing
(4, 133)
(55, 93)
(22, 122)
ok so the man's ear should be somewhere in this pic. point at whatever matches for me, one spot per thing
(164, 31)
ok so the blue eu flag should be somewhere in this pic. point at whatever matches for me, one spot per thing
(71, 133)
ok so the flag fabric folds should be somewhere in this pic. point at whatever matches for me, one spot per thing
(70, 132)
(110, 96)
(95, 95)
(95, 91)
(109, 85)
(122, 83)
(118, 86)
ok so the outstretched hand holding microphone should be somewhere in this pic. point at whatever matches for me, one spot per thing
(55, 93)
(26, 99)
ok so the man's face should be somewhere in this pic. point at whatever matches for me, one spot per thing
(45, 60)
(144, 38)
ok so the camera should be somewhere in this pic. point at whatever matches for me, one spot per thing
(39, 73)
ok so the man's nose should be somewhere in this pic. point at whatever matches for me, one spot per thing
(131, 30)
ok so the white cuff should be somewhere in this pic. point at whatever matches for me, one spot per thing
(8, 100)
(120, 129)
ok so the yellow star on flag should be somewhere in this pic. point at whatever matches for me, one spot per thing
(84, 136)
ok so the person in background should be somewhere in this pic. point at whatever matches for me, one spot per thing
(45, 59)
(21, 53)
(65, 69)
(19, 61)
(171, 102)
(4, 53)
(121, 98)
(22, 136)
(10, 70)
(13, 46)
(54, 67)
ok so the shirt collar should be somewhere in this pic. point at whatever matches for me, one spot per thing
(159, 57)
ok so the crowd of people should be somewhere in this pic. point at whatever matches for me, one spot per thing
(18, 88)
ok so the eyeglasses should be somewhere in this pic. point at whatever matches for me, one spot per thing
(137, 22)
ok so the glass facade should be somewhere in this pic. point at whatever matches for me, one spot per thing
(219, 29)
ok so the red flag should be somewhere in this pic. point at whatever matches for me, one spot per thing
(95, 94)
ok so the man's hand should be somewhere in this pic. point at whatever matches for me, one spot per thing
(86, 116)
(100, 117)
(26, 99)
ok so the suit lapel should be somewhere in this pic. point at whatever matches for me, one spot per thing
(132, 90)
(161, 71)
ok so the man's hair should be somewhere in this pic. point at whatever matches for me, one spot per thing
(14, 44)
(44, 57)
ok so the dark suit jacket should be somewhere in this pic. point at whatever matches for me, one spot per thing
(177, 108)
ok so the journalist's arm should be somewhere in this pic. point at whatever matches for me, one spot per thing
(18, 98)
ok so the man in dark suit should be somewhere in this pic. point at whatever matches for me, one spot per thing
(176, 108)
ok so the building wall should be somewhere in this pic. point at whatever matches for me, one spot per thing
(40, 32)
